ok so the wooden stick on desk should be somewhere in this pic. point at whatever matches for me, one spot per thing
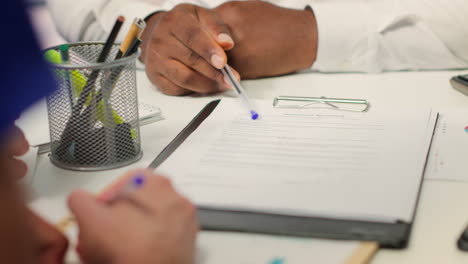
(364, 253)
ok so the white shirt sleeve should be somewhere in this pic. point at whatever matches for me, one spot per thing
(387, 35)
(353, 35)
(86, 20)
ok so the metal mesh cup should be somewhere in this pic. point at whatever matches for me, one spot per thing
(93, 115)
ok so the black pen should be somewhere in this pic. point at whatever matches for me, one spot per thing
(102, 58)
(109, 83)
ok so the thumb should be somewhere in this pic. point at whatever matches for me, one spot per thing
(217, 28)
(87, 209)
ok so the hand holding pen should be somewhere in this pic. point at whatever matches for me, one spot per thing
(184, 50)
(140, 219)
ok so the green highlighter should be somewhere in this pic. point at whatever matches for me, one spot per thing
(78, 81)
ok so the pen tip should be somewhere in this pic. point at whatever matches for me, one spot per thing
(254, 115)
(138, 180)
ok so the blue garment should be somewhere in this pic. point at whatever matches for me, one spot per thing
(24, 75)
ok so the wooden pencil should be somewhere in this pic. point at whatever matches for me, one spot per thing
(134, 32)
(364, 254)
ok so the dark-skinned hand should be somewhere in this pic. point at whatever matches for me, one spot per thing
(270, 40)
(184, 48)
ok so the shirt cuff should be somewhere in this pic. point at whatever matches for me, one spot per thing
(342, 33)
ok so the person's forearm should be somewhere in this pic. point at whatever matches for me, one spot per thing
(269, 40)
(301, 51)
(307, 47)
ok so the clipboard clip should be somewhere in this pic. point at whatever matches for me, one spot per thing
(299, 102)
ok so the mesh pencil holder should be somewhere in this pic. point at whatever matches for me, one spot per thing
(93, 115)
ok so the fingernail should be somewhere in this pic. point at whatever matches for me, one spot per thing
(217, 61)
(223, 37)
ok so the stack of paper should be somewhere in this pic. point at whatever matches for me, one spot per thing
(308, 162)
(450, 148)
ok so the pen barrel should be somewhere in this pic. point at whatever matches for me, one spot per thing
(229, 75)
(100, 129)
(246, 101)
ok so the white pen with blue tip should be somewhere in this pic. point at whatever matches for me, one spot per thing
(135, 183)
(228, 74)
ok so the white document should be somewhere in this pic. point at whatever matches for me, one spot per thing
(312, 162)
(449, 154)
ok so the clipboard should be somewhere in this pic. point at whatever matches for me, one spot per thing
(388, 235)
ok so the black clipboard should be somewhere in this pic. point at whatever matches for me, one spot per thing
(388, 235)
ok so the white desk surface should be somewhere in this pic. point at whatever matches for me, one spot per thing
(442, 211)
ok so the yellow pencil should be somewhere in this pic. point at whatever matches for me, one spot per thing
(134, 32)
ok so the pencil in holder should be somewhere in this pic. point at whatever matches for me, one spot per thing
(93, 114)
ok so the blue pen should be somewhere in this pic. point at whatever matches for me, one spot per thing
(135, 183)
(228, 74)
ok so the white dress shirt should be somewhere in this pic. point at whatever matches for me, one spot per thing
(353, 35)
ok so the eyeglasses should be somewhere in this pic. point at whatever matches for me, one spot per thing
(296, 102)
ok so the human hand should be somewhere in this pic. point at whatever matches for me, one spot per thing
(270, 40)
(49, 244)
(26, 238)
(183, 50)
(153, 224)
(15, 145)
